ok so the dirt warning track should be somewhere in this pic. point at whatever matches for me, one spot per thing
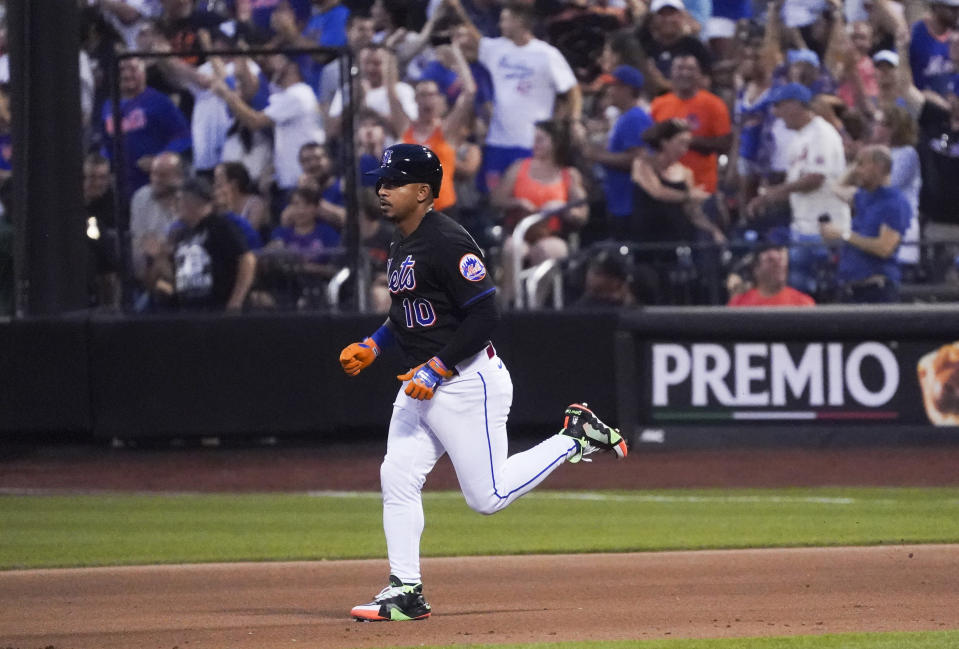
(488, 599)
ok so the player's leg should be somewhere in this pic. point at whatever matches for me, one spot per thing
(411, 453)
(468, 415)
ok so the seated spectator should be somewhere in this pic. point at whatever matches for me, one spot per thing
(151, 124)
(318, 175)
(769, 269)
(706, 114)
(868, 270)
(607, 283)
(376, 234)
(233, 192)
(438, 128)
(292, 112)
(205, 265)
(310, 239)
(153, 210)
(536, 184)
(100, 213)
(896, 129)
(472, 205)
(664, 35)
(300, 258)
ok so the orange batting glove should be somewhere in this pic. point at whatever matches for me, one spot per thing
(356, 357)
(424, 379)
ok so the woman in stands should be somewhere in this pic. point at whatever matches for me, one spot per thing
(666, 203)
(542, 182)
(233, 191)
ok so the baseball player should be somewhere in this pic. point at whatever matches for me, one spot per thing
(457, 395)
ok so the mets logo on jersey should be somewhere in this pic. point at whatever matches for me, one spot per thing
(403, 278)
(472, 268)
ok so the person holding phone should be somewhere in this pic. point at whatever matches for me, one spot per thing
(868, 269)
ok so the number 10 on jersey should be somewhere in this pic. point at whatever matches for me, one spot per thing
(418, 311)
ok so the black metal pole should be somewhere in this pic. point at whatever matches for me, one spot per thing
(120, 202)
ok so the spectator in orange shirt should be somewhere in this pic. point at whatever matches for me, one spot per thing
(770, 269)
(706, 114)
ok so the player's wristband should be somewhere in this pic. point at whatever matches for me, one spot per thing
(383, 337)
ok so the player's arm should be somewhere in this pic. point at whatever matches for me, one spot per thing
(356, 357)
(473, 334)
(482, 317)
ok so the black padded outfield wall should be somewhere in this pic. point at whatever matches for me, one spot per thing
(666, 377)
(870, 374)
(275, 375)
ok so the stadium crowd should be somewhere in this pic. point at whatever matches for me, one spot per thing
(789, 152)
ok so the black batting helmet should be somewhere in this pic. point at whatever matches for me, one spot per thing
(410, 163)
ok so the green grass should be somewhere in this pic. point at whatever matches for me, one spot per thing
(925, 640)
(83, 530)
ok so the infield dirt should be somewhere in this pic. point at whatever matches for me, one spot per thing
(486, 599)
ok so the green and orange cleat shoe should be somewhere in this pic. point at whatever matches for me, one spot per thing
(593, 435)
(398, 602)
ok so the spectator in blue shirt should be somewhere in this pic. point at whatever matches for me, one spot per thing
(929, 46)
(151, 124)
(625, 140)
(868, 270)
(325, 28)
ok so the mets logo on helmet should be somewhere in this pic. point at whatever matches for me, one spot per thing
(472, 268)
(387, 157)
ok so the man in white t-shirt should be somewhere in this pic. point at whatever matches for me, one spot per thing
(528, 76)
(815, 159)
(379, 85)
(292, 111)
(211, 119)
(129, 16)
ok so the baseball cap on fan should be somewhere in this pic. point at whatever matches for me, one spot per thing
(678, 5)
(791, 92)
(887, 56)
(628, 76)
(802, 56)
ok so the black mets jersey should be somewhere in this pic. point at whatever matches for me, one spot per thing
(435, 274)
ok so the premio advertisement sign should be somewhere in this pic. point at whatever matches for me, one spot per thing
(874, 382)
